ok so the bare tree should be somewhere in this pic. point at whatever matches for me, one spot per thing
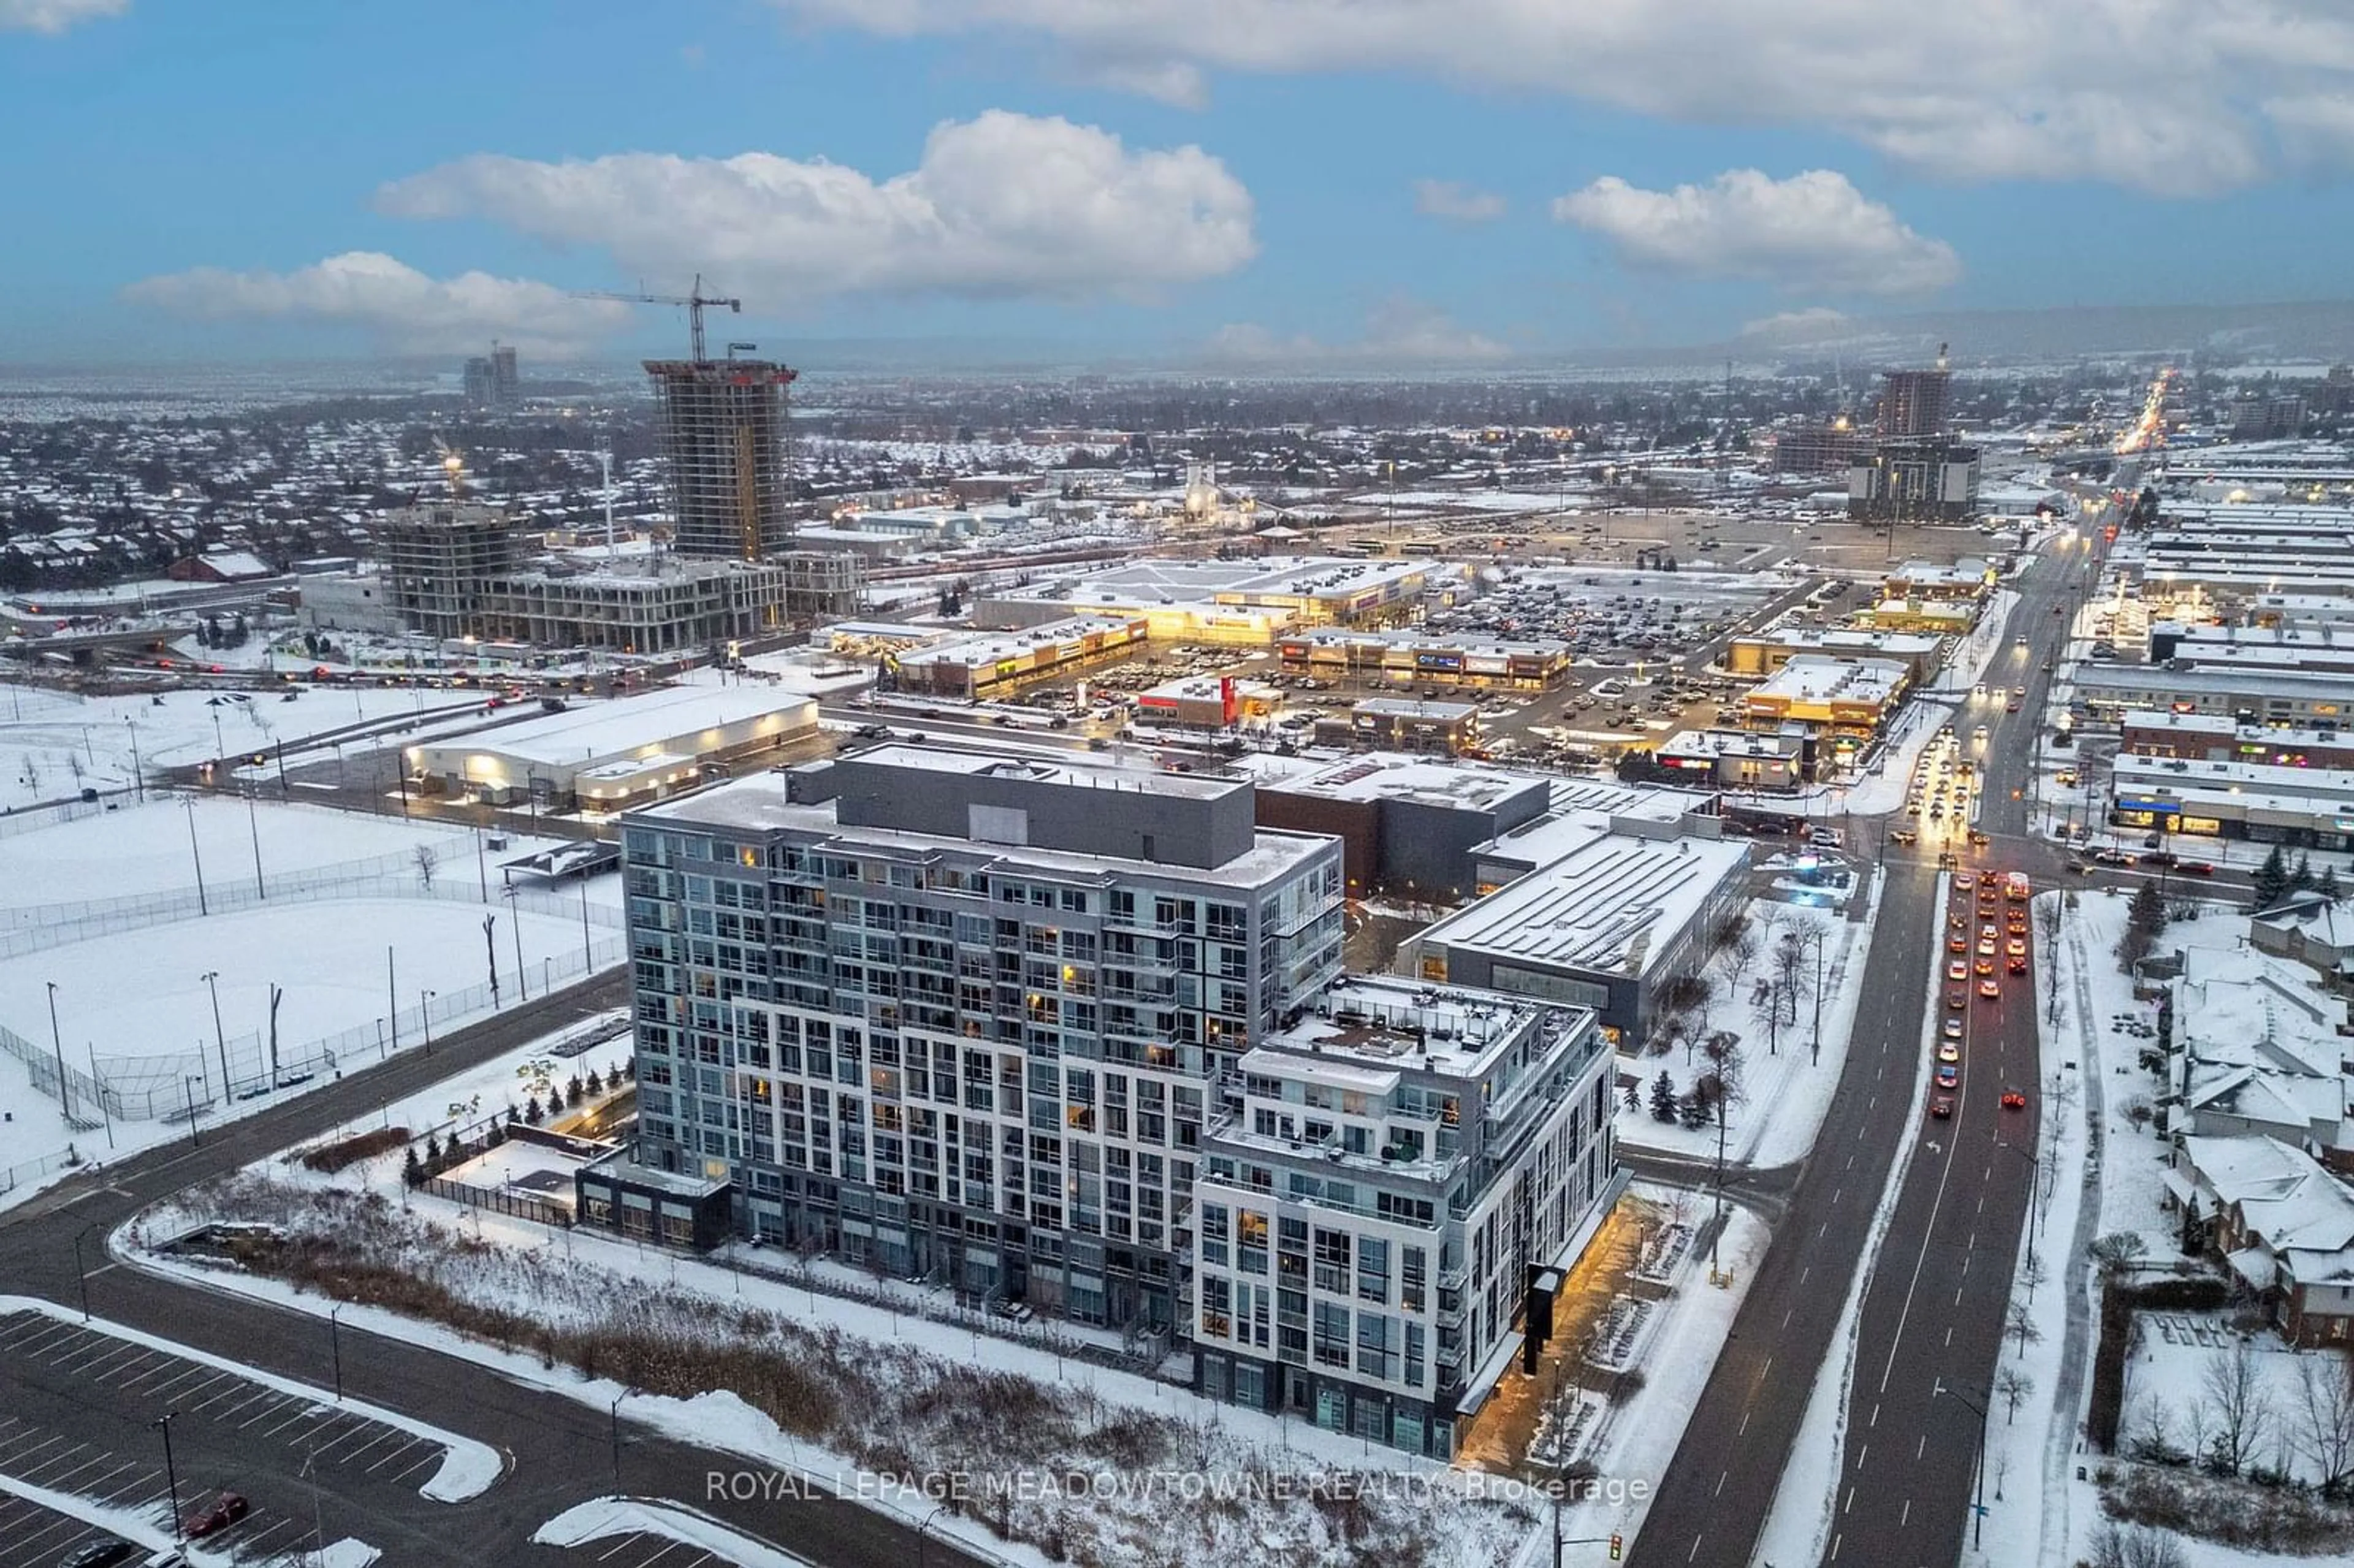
(2243, 1415)
(1741, 951)
(2010, 1386)
(2047, 949)
(2153, 1426)
(2018, 1323)
(2136, 1546)
(2118, 1251)
(427, 861)
(2325, 1401)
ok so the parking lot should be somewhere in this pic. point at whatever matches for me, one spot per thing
(32, 1536)
(643, 1549)
(83, 1419)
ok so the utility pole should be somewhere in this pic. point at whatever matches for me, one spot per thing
(196, 854)
(65, 1089)
(171, 1475)
(1977, 1528)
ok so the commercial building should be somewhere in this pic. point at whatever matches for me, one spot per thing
(1426, 658)
(2209, 738)
(722, 430)
(975, 667)
(1842, 703)
(2299, 699)
(1762, 652)
(1409, 724)
(2303, 807)
(603, 756)
(1831, 448)
(1405, 1171)
(1408, 827)
(2253, 649)
(967, 1017)
(1964, 580)
(1607, 925)
(1235, 602)
(1206, 702)
(1738, 759)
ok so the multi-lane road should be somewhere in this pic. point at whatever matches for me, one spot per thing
(1933, 1311)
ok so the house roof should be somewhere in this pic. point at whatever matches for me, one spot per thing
(2262, 1094)
(2288, 1201)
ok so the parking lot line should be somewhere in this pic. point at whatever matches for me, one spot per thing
(22, 1455)
(237, 1385)
(39, 1346)
(248, 1543)
(387, 1457)
(304, 1413)
(432, 1452)
(50, 1464)
(205, 1375)
(110, 1368)
(351, 1455)
(252, 1396)
(668, 1547)
(624, 1544)
(64, 1481)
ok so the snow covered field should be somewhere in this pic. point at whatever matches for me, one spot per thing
(53, 743)
(154, 1045)
(145, 849)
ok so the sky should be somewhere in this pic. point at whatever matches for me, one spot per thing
(1260, 184)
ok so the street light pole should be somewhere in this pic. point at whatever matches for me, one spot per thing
(171, 1474)
(65, 1089)
(220, 1040)
(81, 1276)
(335, 1346)
(425, 1017)
(1977, 1528)
(196, 854)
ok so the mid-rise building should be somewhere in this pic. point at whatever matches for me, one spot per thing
(439, 558)
(1405, 1172)
(1927, 480)
(967, 1017)
(1914, 404)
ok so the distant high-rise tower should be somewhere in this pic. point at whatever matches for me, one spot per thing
(482, 388)
(1915, 403)
(506, 385)
(723, 439)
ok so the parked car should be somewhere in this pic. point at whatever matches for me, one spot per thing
(209, 1519)
(99, 1553)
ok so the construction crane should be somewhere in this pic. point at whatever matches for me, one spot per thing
(693, 300)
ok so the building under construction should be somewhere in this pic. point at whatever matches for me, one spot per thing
(439, 558)
(725, 441)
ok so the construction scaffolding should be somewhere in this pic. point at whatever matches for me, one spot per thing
(725, 441)
(439, 558)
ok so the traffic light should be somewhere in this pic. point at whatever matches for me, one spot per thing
(1617, 1543)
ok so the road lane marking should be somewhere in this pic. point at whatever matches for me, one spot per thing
(1720, 1483)
(1921, 1448)
(1875, 1413)
(1849, 1506)
(1835, 1547)
(1690, 1556)
(1906, 1517)
(1860, 1453)
(1744, 1428)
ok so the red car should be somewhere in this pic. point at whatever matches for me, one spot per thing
(218, 1515)
(2013, 1100)
(1941, 1108)
(2197, 867)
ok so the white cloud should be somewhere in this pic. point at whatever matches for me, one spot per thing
(1812, 230)
(1794, 324)
(2172, 96)
(1456, 202)
(999, 207)
(2316, 129)
(1397, 332)
(400, 307)
(54, 15)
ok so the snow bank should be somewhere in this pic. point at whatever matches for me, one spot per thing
(467, 1470)
(601, 1517)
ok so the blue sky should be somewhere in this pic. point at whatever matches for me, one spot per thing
(181, 175)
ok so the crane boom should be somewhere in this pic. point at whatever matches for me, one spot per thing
(693, 300)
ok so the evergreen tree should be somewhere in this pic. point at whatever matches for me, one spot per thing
(572, 1092)
(1694, 1110)
(595, 1084)
(1634, 1097)
(432, 1153)
(2327, 885)
(2301, 879)
(496, 1134)
(2272, 879)
(513, 1115)
(2146, 916)
(534, 1111)
(413, 1170)
(1663, 1098)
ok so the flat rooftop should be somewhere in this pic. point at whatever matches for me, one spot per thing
(759, 804)
(594, 732)
(1045, 767)
(1815, 678)
(992, 647)
(1613, 902)
(2224, 727)
(1384, 777)
(1373, 1027)
(1416, 707)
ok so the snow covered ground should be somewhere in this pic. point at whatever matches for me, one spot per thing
(139, 849)
(600, 1519)
(53, 743)
(154, 1045)
(1882, 790)
(1977, 652)
(1787, 1090)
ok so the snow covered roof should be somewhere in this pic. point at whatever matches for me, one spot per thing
(2287, 1201)
(2262, 1094)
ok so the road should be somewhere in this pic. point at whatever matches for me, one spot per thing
(1934, 1308)
(560, 1451)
